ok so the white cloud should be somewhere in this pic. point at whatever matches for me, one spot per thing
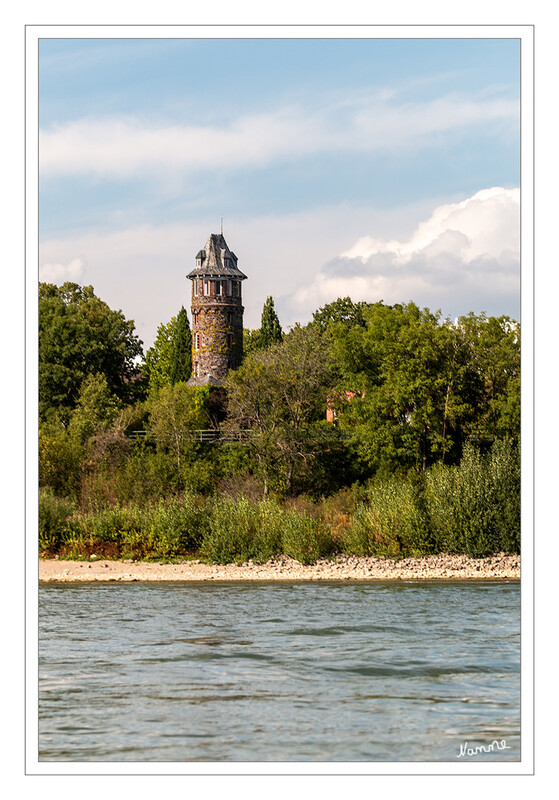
(142, 269)
(125, 147)
(60, 273)
(465, 256)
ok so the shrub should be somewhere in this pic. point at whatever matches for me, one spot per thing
(474, 508)
(389, 524)
(54, 513)
(174, 527)
(305, 538)
(240, 530)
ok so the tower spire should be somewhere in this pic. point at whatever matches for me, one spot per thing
(221, 227)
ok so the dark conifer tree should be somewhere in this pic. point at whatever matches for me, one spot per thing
(180, 367)
(270, 328)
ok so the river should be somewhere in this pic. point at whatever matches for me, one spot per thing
(337, 671)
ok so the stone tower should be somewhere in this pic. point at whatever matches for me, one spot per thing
(217, 313)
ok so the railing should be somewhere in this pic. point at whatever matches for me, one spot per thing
(202, 435)
(244, 435)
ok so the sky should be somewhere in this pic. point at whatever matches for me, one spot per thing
(382, 169)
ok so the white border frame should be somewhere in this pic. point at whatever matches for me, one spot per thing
(525, 33)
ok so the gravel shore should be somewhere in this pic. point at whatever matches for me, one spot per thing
(440, 567)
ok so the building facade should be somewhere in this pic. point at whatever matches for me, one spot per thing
(217, 313)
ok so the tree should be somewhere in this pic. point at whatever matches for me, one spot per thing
(270, 328)
(96, 408)
(408, 372)
(494, 351)
(79, 335)
(175, 412)
(341, 311)
(169, 361)
(279, 394)
(181, 350)
(269, 333)
(414, 388)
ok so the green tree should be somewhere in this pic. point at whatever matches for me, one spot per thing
(494, 351)
(181, 350)
(79, 335)
(96, 408)
(270, 328)
(169, 361)
(279, 394)
(410, 385)
(341, 311)
(175, 411)
(269, 333)
(60, 459)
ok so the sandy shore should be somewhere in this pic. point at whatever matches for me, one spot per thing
(441, 567)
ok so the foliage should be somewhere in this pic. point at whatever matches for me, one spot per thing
(268, 333)
(240, 531)
(175, 412)
(390, 523)
(96, 408)
(305, 538)
(474, 508)
(79, 335)
(60, 460)
(54, 513)
(341, 312)
(280, 394)
(169, 361)
(181, 351)
(426, 435)
(270, 328)
(414, 388)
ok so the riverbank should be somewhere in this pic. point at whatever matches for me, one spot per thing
(439, 567)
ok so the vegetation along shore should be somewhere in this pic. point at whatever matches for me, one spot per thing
(375, 432)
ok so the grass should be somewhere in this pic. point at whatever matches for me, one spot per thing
(473, 509)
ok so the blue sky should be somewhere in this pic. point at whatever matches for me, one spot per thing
(380, 168)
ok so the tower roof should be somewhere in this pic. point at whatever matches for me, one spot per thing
(216, 260)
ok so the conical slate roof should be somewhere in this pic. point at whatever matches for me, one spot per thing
(217, 260)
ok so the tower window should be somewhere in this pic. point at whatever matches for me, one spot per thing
(235, 287)
(197, 341)
(218, 287)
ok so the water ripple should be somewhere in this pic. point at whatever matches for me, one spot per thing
(330, 672)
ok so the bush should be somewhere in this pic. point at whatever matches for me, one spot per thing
(240, 530)
(54, 513)
(389, 523)
(173, 527)
(474, 508)
(305, 538)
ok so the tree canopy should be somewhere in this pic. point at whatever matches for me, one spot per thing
(169, 361)
(79, 335)
(269, 332)
(279, 393)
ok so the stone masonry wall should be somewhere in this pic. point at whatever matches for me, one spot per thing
(217, 334)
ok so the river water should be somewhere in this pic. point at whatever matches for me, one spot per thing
(298, 671)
